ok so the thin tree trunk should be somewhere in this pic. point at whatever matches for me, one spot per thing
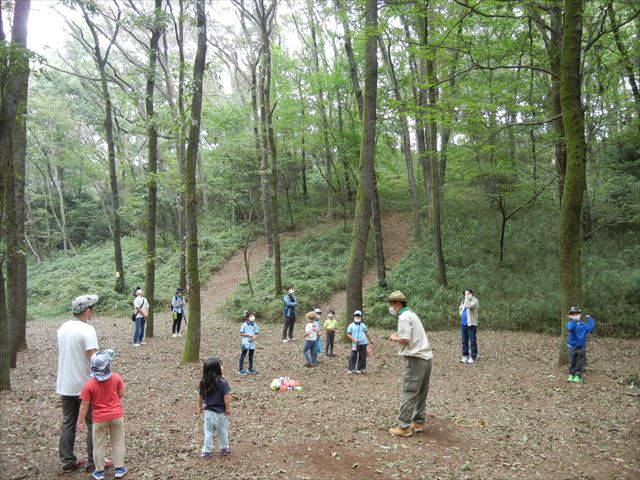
(152, 184)
(303, 152)
(331, 209)
(432, 145)
(261, 150)
(101, 62)
(360, 234)
(406, 145)
(570, 240)
(192, 345)
(628, 64)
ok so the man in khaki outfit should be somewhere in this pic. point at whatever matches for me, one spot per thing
(414, 346)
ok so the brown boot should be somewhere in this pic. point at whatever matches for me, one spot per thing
(401, 432)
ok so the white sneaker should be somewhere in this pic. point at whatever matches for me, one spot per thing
(143, 343)
(136, 344)
(179, 335)
(284, 340)
(349, 371)
(464, 359)
(471, 360)
(175, 335)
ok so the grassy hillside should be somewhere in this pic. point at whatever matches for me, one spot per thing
(53, 283)
(521, 292)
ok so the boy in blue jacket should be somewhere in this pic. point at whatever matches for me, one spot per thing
(577, 331)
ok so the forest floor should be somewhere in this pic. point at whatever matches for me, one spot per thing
(511, 415)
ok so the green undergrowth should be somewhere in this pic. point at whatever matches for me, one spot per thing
(53, 283)
(314, 264)
(522, 291)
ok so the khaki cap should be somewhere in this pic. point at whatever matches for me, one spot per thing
(397, 296)
(311, 316)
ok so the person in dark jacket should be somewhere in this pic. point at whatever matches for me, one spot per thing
(290, 304)
(577, 331)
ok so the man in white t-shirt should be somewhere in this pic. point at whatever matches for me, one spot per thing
(417, 371)
(77, 342)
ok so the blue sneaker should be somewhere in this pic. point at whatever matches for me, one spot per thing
(99, 475)
(121, 472)
(253, 371)
(244, 371)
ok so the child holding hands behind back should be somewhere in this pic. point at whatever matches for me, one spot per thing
(104, 393)
(214, 399)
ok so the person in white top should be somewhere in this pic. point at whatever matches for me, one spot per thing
(77, 342)
(417, 371)
(141, 311)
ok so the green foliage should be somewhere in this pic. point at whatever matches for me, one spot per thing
(521, 293)
(314, 264)
(54, 283)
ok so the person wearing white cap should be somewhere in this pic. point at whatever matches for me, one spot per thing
(104, 393)
(77, 342)
(414, 347)
(358, 333)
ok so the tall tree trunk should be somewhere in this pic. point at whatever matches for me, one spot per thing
(257, 87)
(303, 153)
(420, 103)
(381, 270)
(13, 142)
(628, 64)
(192, 345)
(432, 146)
(266, 17)
(101, 63)
(331, 208)
(406, 144)
(360, 234)
(182, 151)
(152, 183)
(575, 179)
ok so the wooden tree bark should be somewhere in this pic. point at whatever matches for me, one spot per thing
(13, 142)
(331, 208)
(265, 17)
(360, 233)
(376, 220)
(432, 150)
(152, 185)
(406, 145)
(192, 345)
(570, 240)
(101, 63)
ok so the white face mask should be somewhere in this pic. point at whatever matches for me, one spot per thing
(330, 315)
(357, 321)
(575, 317)
(252, 318)
(392, 311)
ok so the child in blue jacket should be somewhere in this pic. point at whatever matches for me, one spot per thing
(577, 331)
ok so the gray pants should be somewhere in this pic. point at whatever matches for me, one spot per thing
(70, 411)
(576, 360)
(415, 387)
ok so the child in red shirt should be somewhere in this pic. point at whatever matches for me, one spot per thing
(103, 393)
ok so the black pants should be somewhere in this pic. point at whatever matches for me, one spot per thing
(287, 330)
(243, 354)
(177, 322)
(576, 360)
(331, 337)
(358, 358)
(70, 411)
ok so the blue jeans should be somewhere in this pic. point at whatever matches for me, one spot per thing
(310, 346)
(215, 422)
(138, 334)
(468, 338)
